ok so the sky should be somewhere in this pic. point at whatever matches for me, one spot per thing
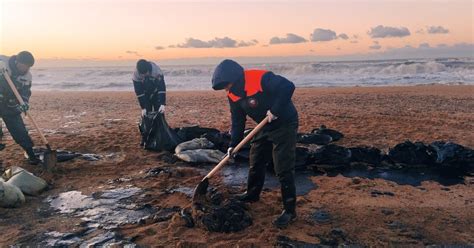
(124, 30)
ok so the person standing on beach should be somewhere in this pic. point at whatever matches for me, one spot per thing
(261, 94)
(18, 68)
(150, 88)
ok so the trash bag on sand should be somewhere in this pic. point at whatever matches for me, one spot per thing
(27, 182)
(220, 140)
(193, 132)
(10, 196)
(367, 155)
(201, 156)
(333, 155)
(313, 138)
(335, 135)
(200, 143)
(452, 154)
(156, 134)
(411, 153)
(198, 151)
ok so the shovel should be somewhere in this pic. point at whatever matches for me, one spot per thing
(201, 188)
(50, 156)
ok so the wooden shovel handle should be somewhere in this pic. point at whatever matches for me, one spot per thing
(238, 147)
(20, 100)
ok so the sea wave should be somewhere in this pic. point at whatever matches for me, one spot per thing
(310, 74)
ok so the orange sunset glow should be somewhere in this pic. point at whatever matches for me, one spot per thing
(124, 30)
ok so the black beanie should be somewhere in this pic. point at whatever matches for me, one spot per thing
(143, 66)
(26, 58)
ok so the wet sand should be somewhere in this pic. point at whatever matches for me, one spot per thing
(105, 123)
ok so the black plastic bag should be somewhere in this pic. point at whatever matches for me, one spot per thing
(452, 154)
(332, 155)
(313, 138)
(194, 132)
(156, 134)
(368, 155)
(335, 135)
(412, 153)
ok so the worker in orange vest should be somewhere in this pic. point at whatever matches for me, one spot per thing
(261, 94)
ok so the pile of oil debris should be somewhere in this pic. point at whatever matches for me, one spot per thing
(218, 215)
(232, 216)
(316, 150)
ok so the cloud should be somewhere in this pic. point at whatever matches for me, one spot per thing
(437, 30)
(134, 53)
(354, 39)
(343, 36)
(420, 31)
(375, 46)
(246, 44)
(225, 42)
(320, 34)
(159, 48)
(385, 32)
(195, 43)
(289, 39)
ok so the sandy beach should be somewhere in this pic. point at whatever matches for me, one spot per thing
(105, 123)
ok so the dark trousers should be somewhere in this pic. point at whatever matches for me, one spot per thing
(17, 129)
(282, 143)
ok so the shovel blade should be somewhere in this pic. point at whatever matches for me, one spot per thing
(50, 158)
(201, 189)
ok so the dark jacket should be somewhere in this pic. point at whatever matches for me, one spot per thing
(275, 96)
(150, 90)
(8, 101)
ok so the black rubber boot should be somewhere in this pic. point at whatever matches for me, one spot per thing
(246, 197)
(284, 219)
(32, 158)
(288, 196)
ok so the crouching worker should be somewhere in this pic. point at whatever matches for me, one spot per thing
(18, 68)
(261, 94)
(150, 88)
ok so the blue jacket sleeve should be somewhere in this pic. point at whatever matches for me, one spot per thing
(281, 89)
(140, 92)
(161, 90)
(238, 124)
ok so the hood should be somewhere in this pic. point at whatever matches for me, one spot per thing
(228, 71)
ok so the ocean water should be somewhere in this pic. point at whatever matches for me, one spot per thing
(305, 74)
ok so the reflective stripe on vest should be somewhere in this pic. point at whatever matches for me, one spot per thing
(233, 97)
(253, 84)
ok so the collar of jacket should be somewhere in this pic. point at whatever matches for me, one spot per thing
(238, 88)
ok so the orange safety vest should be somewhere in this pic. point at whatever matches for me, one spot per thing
(253, 84)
